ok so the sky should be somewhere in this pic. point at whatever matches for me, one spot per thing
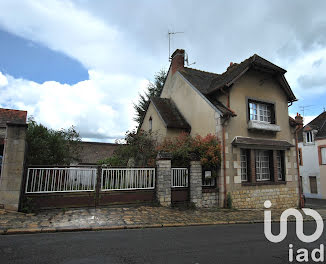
(84, 62)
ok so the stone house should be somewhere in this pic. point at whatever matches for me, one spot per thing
(312, 157)
(246, 107)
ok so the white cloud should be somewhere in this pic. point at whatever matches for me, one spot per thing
(100, 108)
(3, 80)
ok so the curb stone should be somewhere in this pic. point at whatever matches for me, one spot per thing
(13, 231)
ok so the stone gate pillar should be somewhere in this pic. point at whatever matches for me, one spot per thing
(163, 178)
(12, 166)
(196, 182)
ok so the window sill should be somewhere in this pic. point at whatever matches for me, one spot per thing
(262, 183)
(257, 125)
(209, 189)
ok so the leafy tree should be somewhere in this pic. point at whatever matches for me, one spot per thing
(140, 146)
(51, 147)
(153, 89)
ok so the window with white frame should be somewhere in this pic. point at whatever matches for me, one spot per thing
(244, 165)
(323, 156)
(279, 165)
(309, 137)
(262, 165)
(260, 112)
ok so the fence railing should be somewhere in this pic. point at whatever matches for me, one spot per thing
(51, 180)
(179, 177)
(127, 178)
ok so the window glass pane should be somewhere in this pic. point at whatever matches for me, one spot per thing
(323, 155)
(279, 165)
(243, 161)
(262, 165)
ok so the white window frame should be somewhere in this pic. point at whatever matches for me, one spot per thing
(260, 112)
(309, 137)
(263, 172)
(323, 155)
(244, 165)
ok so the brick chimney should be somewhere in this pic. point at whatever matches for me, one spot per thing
(178, 60)
(299, 120)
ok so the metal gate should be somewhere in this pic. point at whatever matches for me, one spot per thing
(59, 187)
(179, 185)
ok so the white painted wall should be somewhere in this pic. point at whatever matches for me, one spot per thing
(310, 168)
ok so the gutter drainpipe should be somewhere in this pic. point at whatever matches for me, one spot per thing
(301, 200)
(224, 165)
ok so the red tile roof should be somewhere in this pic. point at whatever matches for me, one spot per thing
(12, 116)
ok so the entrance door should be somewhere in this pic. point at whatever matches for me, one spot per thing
(313, 184)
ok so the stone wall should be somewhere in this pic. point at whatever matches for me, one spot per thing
(209, 199)
(163, 182)
(196, 183)
(254, 198)
(13, 166)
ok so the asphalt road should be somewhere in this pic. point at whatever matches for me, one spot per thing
(201, 244)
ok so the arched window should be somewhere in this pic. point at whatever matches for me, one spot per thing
(150, 124)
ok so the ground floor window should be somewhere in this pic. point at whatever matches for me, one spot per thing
(244, 157)
(266, 167)
(313, 184)
(262, 165)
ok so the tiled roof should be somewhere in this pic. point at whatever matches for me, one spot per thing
(170, 113)
(259, 142)
(319, 123)
(12, 116)
(208, 83)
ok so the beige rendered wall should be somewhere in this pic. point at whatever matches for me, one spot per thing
(198, 113)
(322, 172)
(158, 127)
(13, 166)
(261, 87)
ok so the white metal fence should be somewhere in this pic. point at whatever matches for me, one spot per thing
(50, 180)
(179, 177)
(127, 178)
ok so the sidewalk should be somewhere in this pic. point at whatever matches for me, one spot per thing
(108, 218)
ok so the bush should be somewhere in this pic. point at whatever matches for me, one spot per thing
(206, 148)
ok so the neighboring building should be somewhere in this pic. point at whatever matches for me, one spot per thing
(312, 157)
(247, 108)
(92, 152)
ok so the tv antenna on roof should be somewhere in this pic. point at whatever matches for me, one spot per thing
(303, 107)
(172, 33)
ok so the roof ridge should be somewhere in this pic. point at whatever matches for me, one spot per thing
(324, 112)
(202, 71)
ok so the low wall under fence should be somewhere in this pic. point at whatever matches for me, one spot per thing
(78, 186)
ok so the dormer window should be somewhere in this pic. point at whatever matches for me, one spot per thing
(150, 124)
(309, 137)
(261, 112)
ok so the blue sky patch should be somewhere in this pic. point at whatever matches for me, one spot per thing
(25, 59)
